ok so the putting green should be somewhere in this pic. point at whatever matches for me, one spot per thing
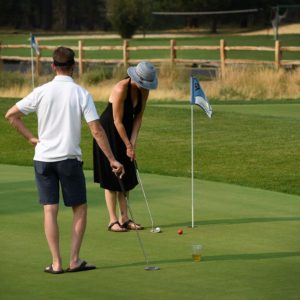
(249, 236)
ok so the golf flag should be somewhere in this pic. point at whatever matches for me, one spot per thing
(34, 44)
(198, 97)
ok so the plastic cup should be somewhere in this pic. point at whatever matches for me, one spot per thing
(197, 253)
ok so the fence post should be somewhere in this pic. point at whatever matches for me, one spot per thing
(125, 53)
(172, 51)
(277, 54)
(222, 58)
(80, 57)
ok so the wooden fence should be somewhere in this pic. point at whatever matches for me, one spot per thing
(172, 48)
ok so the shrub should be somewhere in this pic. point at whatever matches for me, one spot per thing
(93, 77)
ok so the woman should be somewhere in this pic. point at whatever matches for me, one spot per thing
(121, 121)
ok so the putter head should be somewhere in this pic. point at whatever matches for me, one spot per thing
(152, 268)
(155, 230)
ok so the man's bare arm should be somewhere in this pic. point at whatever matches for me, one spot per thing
(14, 116)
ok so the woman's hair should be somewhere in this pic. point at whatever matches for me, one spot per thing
(63, 58)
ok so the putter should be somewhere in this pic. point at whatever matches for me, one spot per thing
(153, 230)
(147, 267)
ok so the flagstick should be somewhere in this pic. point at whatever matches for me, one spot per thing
(192, 148)
(197, 97)
(32, 68)
(192, 160)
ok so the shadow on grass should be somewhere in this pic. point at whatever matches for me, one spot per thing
(209, 258)
(234, 221)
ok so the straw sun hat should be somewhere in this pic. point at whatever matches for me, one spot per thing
(144, 74)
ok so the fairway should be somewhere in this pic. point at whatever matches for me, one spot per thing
(249, 236)
(288, 110)
(245, 143)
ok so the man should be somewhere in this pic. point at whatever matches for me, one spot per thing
(59, 105)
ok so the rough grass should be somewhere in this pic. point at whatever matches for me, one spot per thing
(247, 83)
(255, 83)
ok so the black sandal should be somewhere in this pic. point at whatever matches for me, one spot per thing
(130, 225)
(122, 229)
(84, 266)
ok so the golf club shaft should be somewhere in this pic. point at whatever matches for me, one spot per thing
(132, 218)
(146, 200)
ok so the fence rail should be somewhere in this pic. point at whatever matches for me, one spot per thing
(173, 48)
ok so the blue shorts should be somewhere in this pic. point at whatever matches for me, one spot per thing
(68, 173)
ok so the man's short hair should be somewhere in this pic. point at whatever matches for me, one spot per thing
(63, 58)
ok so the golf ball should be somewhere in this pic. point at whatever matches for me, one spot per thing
(180, 231)
(157, 229)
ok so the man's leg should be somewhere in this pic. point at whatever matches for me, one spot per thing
(73, 186)
(52, 234)
(78, 229)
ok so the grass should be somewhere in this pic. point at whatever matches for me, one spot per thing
(253, 145)
(248, 236)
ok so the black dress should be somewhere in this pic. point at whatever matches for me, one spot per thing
(102, 170)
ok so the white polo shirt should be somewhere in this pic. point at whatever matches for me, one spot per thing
(59, 105)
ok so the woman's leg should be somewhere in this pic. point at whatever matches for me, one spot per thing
(123, 207)
(111, 203)
(124, 219)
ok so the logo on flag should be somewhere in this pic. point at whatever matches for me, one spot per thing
(198, 97)
(34, 44)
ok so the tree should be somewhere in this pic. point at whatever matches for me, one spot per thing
(45, 6)
(125, 16)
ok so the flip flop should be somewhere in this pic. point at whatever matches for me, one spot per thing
(129, 224)
(82, 267)
(122, 229)
(50, 270)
